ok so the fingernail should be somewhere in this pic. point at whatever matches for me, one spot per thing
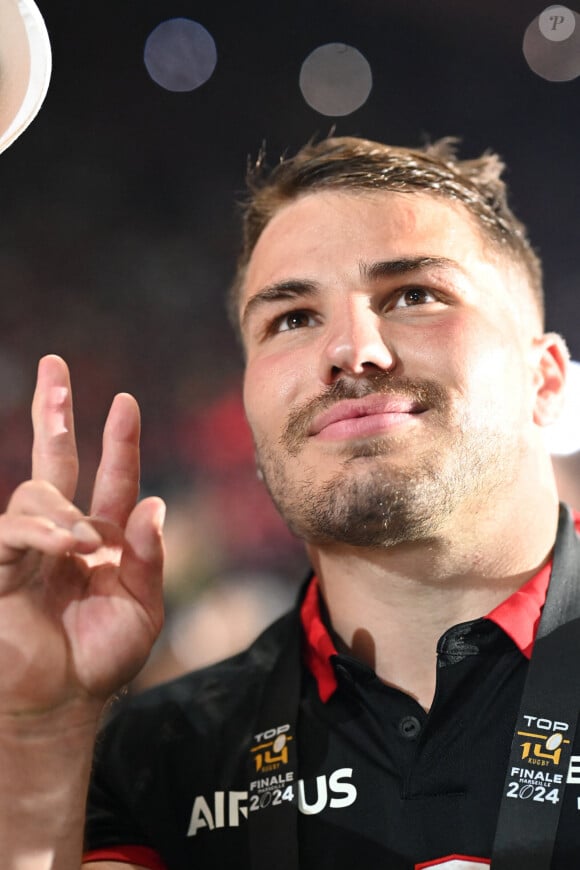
(85, 533)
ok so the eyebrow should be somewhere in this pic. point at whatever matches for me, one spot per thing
(292, 289)
(388, 268)
(370, 272)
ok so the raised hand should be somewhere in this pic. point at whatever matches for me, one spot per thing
(80, 597)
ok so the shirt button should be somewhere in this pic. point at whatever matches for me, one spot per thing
(409, 727)
(344, 674)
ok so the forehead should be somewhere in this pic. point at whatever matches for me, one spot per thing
(338, 229)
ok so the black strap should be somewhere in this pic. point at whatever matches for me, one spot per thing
(543, 737)
(273, 762)
(547, 719)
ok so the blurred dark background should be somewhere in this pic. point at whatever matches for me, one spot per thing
(118, 236)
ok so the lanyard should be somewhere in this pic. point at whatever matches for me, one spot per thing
(542, 741)
(273, 812)
(547, 719)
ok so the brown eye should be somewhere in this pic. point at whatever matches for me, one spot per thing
(414, 296)
(294, 320)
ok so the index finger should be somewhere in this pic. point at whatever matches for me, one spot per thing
(54, 449)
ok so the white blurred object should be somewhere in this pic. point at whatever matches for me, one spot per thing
(563, 437)
(25, 67)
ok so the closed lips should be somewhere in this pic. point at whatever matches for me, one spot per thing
(369, 406)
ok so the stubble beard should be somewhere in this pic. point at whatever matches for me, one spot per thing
(371, 501)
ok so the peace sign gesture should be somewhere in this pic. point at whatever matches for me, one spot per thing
(80, 597)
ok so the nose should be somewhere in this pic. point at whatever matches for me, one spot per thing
(356, 343)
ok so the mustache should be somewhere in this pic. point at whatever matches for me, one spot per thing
(421, 390)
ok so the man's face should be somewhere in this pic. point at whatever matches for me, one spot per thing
(388, 381)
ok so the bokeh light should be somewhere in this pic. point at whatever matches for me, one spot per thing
(180, 54)
(551, 44)
(336, 79)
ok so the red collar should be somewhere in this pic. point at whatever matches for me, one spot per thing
(319, 646)
(518, 616)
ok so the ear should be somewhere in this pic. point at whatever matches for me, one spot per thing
(551, 366)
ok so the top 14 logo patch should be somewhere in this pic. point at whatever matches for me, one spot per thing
(543, 762)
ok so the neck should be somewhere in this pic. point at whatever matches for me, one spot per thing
(390, 607)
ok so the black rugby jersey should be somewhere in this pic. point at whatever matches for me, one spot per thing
(379, 781)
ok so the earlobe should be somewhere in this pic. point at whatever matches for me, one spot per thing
(551, 365)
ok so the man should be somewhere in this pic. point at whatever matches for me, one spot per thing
(397, 382)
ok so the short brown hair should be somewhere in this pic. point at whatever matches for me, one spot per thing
(348, 162)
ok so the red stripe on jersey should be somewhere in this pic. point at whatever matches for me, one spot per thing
(452, 862)
(139, 855)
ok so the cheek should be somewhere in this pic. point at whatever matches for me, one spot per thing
(444, 350)
(272, 386)
(488, 368)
